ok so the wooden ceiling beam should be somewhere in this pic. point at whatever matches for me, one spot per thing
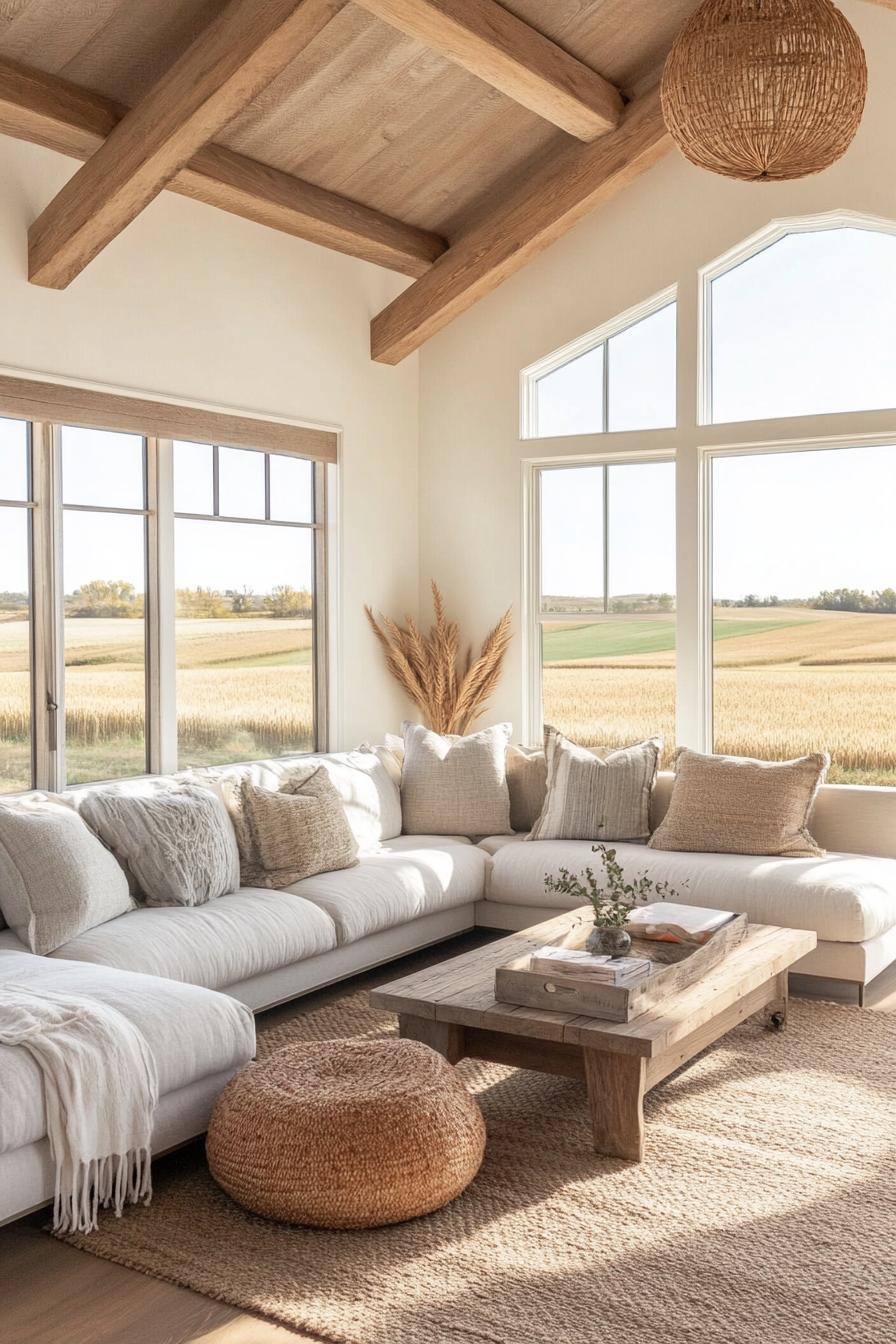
(568, 187)
(499, 48)
(46, 110)
(246, 46)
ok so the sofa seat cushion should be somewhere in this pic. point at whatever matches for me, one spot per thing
(215, 945)
(191, 1032)
(844, 898)
(394, 886)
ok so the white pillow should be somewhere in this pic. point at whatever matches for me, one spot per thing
(178, 841)
(455, 785)
(56, 878)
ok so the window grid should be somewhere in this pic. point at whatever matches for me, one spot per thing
(46, 612)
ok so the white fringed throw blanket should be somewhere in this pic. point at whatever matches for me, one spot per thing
(101, 1090)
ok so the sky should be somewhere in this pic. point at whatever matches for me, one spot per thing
(804, 327)
(106, 470)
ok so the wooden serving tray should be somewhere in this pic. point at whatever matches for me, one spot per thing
(676, 965)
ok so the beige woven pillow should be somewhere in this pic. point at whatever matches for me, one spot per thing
(734, 805)
(590, 797)
(527, 782)
(455, 785)
(287, 835)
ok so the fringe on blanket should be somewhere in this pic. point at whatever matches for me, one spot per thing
(103, 1182)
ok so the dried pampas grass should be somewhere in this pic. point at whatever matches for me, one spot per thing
(427, 667)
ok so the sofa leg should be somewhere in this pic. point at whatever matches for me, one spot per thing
(861, 988)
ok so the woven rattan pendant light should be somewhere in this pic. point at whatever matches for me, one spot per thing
(765, 89)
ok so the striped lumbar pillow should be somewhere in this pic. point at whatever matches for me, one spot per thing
(592, 797)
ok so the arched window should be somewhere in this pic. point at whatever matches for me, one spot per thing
(801, 322)
(618, 377)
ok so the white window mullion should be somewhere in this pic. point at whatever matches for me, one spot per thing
(161, 662)
(47, 610)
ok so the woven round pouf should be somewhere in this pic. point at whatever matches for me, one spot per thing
(346, 1134)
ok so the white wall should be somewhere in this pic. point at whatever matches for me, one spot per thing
(670, 222)
(195, 303)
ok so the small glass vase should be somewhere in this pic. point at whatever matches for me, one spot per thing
(608, 942)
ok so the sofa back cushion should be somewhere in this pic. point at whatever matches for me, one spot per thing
(735, 805)
(455, 785)
(592, 797)
(56, 878)
(176, 839)
(368, 790)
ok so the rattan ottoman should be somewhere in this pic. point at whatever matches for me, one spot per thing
(346, 1134)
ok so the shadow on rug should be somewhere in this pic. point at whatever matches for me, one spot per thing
(764, 1211)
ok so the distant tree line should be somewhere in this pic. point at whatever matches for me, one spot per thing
(831, 599)
(117, 597)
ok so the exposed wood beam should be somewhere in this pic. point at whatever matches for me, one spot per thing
(490, 42)
(246, 46)
(543, 208)
(46, 110)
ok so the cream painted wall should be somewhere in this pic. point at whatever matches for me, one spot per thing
(670, 222)
(195, 303)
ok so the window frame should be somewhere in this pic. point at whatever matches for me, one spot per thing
(46, 607)
(692, 444)
(583, 345)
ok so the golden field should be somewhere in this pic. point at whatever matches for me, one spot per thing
(818, 681)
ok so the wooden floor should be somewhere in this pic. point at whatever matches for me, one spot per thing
(52, 1294)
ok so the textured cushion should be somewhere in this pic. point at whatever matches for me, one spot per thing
(190, 1032)
(590, 797)
(176, 839)
(844, 897)
(366, 783)
(390, 888)
(56, 878)
(733, 805)
(218, 944)
(527, 782)
(294, 832)
(455, 785)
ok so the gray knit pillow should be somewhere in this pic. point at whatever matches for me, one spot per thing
(591, 797)
(177, 841)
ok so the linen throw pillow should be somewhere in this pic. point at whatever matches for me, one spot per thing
(527, 781)
(735, 805)
(288, 834)
(455, 785)
(56, 878)
(592, 797)
(177, 841)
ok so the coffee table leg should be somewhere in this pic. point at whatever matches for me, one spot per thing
(445, 1037)
(616, 1098)
(776, 1011)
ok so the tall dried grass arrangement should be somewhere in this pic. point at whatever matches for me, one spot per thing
(449, 692)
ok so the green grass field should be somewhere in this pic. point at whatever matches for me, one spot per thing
(621, 637)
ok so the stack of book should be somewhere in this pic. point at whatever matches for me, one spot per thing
(622, 971)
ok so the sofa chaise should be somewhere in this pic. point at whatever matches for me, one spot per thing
(191, 977)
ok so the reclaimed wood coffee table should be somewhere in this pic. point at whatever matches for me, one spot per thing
(452, 1007)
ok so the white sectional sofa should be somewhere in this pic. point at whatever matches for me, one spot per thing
(189, 976)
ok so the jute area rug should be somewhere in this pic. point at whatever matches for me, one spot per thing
(764, 1212)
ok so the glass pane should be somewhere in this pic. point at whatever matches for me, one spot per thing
(292, 489)
(572, 539)
(13, 459)
(15, 653)
(610, 681)
(240, 483)
(244, 632)
(806, 327)
(105, 677)
(641, 374)
(805, 621)
(101, 467)
(193, 478)
(570, 400)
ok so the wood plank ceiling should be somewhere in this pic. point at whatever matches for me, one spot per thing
(339, 126)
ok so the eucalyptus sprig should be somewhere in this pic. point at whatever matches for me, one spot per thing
(613, 897)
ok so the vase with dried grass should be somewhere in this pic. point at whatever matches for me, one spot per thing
(450, 692)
